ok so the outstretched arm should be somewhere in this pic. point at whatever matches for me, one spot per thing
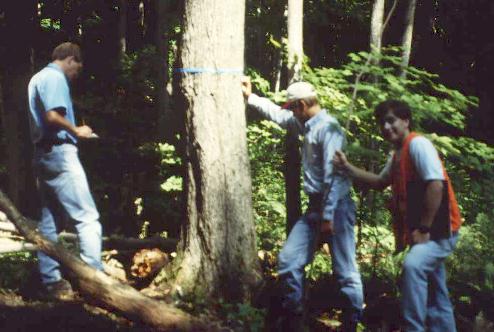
(271, 111)
(375, 181)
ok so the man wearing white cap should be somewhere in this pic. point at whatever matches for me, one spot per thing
(331, 208)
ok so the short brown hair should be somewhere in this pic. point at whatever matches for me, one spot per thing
(64, 50)
(398, 108)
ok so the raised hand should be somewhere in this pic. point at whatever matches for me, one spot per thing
(246, 86)
(339, 160)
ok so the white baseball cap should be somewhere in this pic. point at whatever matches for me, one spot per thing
(300, 90)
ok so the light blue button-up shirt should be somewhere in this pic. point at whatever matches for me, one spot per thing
(322, 137)
(49, 90)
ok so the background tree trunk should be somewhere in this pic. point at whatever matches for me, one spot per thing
(292, 154)
(406, 42)
(167, 122)
(295, 39)
(377, 20)
(17, 69)
(122, 26)
(218, 252)
(68, 18)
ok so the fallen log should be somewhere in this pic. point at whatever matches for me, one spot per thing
(10, 245)
(100, 287)
(112, 242)
(7, 226)
(118, 243)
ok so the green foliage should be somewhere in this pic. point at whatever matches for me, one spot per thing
(320, 266)
(242, 316)
(50, 24)
(439, 112)
(265, 143)
(15, 269)
(472, 261)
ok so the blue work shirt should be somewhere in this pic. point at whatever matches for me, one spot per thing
(322, 137)
(49, 90)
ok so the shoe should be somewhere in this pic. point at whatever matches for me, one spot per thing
(60, 290)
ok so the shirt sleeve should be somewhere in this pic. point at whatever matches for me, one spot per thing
(52, 93)
(336, 184)
(271, 111)
(426, 159)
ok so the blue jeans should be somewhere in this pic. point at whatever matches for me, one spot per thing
(298, 251)
(425, 301)
(64, 193)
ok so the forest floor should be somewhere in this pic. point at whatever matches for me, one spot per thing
(22, 309)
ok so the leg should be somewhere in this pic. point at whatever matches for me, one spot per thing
(420, 263)
(295, 255)
(72, 192)
(440, 315)
(342, 246)
(48, 267)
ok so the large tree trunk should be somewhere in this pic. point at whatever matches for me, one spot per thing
(100, 287)
(218, 253)
(406, 42)
(16, 72)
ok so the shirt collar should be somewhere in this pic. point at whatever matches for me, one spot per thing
(309, 124)
(55, 66)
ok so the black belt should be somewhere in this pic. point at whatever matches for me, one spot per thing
(47, 145)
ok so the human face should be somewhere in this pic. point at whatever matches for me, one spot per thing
(73, 68)
(394, 129)
(298, 109)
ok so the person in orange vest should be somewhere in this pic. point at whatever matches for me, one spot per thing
(432, 233)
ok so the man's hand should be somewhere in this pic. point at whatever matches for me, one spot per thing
(418, 237)
(339, 160)
(246, 86)
(83, 132)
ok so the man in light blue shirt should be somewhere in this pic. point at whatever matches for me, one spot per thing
(331, 208)
(62, 182)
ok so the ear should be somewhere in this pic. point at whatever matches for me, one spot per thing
(302, 104)
(408, 123)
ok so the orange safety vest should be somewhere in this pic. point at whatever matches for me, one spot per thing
(403, 172)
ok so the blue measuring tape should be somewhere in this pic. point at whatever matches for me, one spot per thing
(194, 70)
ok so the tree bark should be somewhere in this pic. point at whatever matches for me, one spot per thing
(16, 72)
(122, 27)
(218, 252)
(102, 288)
(295, 39)
(377, 20)
(135, 31)
(292, 152)
(167, 121)
(68, 18)
(406, 42)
